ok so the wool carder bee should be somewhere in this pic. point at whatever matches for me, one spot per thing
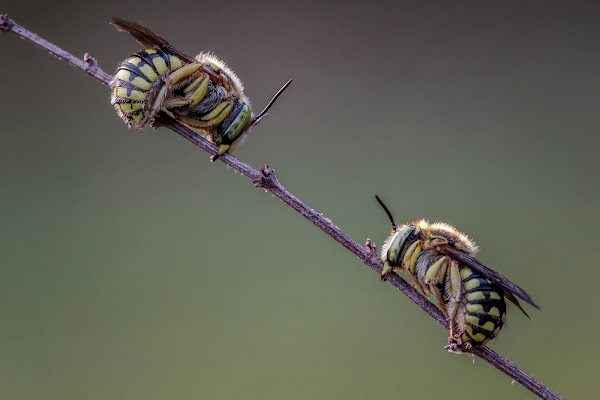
(441, 262)
(202, 92)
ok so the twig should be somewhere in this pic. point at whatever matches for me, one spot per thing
(266, 179)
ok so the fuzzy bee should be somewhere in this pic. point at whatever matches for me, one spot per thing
(441, 262)
(202, 92)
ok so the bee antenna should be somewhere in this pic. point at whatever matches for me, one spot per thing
(387, 211)
(263, 113)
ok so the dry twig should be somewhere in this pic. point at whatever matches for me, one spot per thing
(266, 179)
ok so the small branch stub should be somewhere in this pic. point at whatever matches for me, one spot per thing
(6, 23)
(267, 171)
(92, 64)
(371, 249)
(267, 179)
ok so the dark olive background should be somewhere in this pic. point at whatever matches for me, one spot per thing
(132, 267)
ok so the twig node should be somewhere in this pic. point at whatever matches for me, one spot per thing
(6, 23)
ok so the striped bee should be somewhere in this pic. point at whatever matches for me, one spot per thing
(202, 92)
(441, 262)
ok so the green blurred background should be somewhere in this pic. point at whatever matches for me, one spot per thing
(132, 267)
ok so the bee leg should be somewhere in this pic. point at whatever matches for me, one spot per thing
(224, 148)
(195, 93)
(435, 274)
(439, 300)
(385, 271)
(452, 320)
(437, 241)
(190, 121)
(388, 269)
(214, 72)
(197, 89)
(456, 311)
(173, 103)
(409, 263)
(182, 73)
(216, 116)
(155, 107)
(417, 285)
(455, 343)
(457, 346)
(173, 79)
(454, 295)
(414, 281)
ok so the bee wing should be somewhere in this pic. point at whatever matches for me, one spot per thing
(143, 35)
(509, 288)
(146, 37)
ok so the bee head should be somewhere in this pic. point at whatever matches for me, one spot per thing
(241, 121)
(392, 248)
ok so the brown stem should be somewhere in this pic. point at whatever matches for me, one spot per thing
(266, 179)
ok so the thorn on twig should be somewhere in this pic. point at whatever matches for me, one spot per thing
(6, 23)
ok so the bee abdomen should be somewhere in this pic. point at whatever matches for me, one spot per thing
(485, 308)
(138, 80)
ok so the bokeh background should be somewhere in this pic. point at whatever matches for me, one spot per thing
(132, 267)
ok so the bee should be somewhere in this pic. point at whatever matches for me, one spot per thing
(441, 262)
(201, 93)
